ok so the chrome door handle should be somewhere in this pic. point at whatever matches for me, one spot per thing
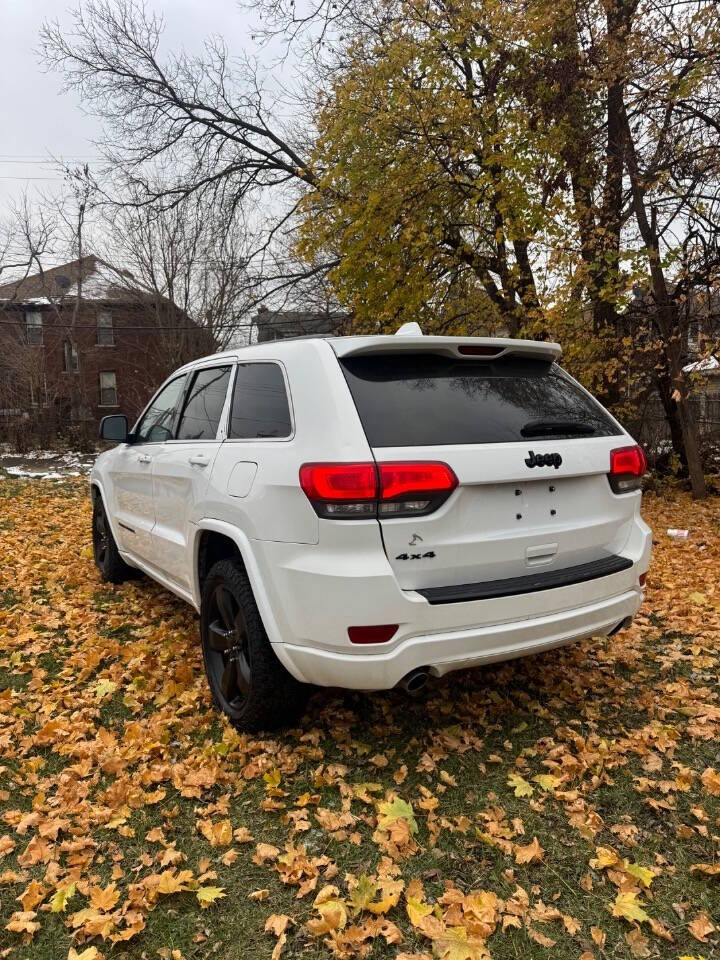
(143, 458)
(199, 460)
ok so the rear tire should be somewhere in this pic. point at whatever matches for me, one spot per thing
(110, 564)
(247, 681)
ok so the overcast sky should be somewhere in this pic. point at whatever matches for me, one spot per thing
(39, 120)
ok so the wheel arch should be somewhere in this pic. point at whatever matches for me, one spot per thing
(207, 550)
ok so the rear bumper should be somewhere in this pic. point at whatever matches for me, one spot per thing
(310, 594)
(442, 653)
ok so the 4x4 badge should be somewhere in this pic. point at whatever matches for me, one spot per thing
(543, 459)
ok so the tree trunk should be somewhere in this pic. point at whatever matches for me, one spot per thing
(664, 388)
(667, 322)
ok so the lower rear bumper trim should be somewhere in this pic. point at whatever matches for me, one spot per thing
(532, 583)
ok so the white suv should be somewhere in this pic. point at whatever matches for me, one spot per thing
(367, 511)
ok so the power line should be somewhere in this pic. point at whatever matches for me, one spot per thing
(151, 327)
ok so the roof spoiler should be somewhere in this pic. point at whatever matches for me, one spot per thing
(475, 348)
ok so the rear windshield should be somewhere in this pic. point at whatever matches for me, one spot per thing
(416, 399)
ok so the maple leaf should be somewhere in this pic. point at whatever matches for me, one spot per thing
(417, 911)
(219, 833)
(701, 926)
(169, 882)
(58, 901)
(23, 921)
(91, 953)
(643, 874)
(626, 906)
(104, 899)
(362, 893)
(711, 781)
(710, 869)
(277, 923)
(637, 942)
(530, 853)
(104, 688)
(208, 895)
(520, 785)
(399, 809)
(547, 781)
(33, 894)
(7, 845)
(454, 944)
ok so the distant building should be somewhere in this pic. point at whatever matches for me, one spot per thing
(282, 324)
(83, 340)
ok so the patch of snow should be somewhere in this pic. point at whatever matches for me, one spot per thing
(703, 366)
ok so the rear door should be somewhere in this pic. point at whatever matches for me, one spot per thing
(531, 452)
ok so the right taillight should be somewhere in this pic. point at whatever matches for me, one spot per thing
(358, 491)
(627, 468)
(414, 488)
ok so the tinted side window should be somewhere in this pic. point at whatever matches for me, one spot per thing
(260, 407)
(157, 422)
(426, 399)
(204, 404)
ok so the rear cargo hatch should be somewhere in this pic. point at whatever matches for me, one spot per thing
(530, 450)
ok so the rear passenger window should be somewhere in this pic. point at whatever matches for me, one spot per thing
(260, 407)
(204, 404)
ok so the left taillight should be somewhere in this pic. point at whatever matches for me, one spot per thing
(357, 491)
(341, 491)
(627, 468)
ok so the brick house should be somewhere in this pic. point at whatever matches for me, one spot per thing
(281, 324)
(81, 341)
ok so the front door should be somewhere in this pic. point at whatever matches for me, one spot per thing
(131, 472)
(181, 471)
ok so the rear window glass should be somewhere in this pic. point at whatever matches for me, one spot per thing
(425, 399)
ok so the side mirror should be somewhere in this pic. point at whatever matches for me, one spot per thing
(115, 428)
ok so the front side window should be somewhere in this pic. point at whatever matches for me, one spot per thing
(105, 332)
(70, 357)
(204, 404)
(260, 407)
(34, 327)
(157, 421)
(108, 388)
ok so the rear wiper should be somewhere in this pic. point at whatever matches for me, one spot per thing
(551, 428)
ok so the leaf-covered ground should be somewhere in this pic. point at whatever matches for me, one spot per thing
(566, 804)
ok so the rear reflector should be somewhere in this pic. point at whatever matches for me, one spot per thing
(376, 634)
(627, 468)
(642, 578)
(356, 491)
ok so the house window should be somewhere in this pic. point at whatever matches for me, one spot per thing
(108, 389)
(70, 357)
(105, 332)
(34, 327)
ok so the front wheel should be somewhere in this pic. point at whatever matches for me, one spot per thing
(110, 564)
(247, 681)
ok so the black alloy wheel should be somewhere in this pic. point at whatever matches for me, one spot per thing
(228, 658)
(246, 679)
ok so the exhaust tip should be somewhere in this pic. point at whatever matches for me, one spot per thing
(621, 626)
(414, 681)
